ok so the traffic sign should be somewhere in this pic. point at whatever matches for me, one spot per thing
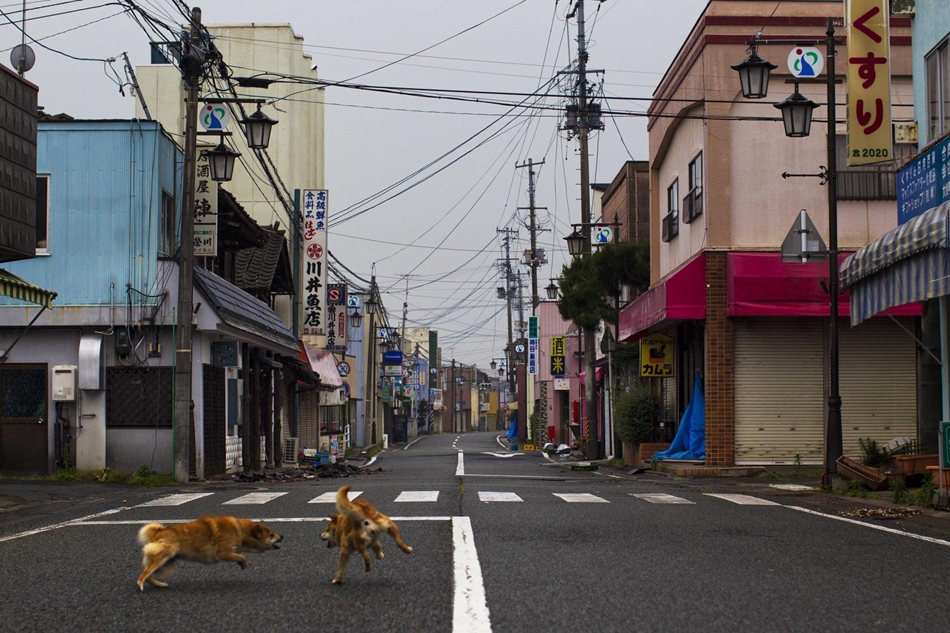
(343, 368)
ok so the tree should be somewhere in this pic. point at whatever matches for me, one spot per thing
(591, 285)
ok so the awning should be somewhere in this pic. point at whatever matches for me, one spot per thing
(323, 365)
(908, 264)
(761, 284)
(681, 295)
(17, 288)
(243, 314)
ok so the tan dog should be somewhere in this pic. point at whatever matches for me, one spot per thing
(358, 527)
(207, 540)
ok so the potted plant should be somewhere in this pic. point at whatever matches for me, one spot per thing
(635, 413)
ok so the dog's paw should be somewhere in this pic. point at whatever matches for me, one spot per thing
(141, 586)
(243, 564)
(337, 581)
(380, 555)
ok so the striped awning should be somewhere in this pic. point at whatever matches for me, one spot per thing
(908, 264)
(16, 288)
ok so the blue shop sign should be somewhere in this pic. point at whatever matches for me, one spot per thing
(924, 183)
(392, 358)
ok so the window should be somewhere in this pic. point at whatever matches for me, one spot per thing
(139, 397)
(869, 182)
(671, 226)
(42, 215)
(693, 202)
(166, 246)
(938, 91)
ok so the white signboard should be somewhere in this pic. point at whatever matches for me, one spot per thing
(532, 355)
(805, 61)
(562, 384)
(206, 209)
(314, 273)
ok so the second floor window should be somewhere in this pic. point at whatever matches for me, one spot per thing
(42, 215)
(693, 202)
(166, 245)
(938, 91)
(671, 225)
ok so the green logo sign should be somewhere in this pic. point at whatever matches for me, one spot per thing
(533, 327)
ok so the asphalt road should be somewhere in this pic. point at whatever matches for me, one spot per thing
(500, 544)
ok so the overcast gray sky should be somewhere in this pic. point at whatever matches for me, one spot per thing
(374, 140)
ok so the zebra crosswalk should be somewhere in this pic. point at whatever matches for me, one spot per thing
(432, 496)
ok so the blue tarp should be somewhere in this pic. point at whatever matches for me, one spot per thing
(513, 431)
(690, 440)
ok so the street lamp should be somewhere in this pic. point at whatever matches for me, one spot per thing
(754, 75)
(551, 289)
(575, 242)
(221, 160)
(257, 129)
(356, 319)
(370, 305)
(796, 113)
(493, 364)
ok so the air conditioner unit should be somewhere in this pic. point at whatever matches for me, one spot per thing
(291, 446)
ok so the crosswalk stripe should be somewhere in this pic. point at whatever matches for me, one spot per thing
(580, 497)
(174, 500)
(330, 497)
(411, 496)
(488, 497)
(662, 497)
(744, 500)
(254, 498)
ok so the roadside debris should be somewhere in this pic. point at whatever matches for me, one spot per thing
(304, 473)
(880, 513)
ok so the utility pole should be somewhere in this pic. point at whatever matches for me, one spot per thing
(192, 61)
(455, 397)
(532, 227)
(405, 313)
(369, 406)
(590, 385)
(511, 351)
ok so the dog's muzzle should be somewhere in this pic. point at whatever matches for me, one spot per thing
(276, 544)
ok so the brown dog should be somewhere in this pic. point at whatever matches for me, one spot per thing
(207, 540)
(358, 527)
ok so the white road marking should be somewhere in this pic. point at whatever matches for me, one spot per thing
(882, 528)
(743, 500)
(62, 525)
(580, 497)
(330, 496)
(501, 454)
(662, 497)
(460, 469)
(254, 498)
(488, 497)
(470, 612)
(174, 500)
(792, 487)
(411, 443)
(412, 496)
(85, 522)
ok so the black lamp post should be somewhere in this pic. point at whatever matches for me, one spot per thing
(575, 242)
(493, 364)
(356, 319)
(796, 114)
(551, 289)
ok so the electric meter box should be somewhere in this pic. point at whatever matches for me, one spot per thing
(64, 383)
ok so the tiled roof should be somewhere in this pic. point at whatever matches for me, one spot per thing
(254, 267)
(242, 311)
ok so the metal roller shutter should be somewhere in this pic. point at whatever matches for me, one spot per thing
(878, 372)
(779, 402)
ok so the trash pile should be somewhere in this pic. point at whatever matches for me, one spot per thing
(301, 473)
(881, 513)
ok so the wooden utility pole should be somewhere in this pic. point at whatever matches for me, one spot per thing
(191, 68)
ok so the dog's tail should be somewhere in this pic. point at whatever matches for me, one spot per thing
(344, 507)
(147, 533)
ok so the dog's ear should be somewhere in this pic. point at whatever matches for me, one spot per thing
(257, 532)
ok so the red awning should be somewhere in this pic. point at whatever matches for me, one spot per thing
(761, 284)
(322, 363)
(682, 295)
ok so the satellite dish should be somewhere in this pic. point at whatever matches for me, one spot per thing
(22, 58)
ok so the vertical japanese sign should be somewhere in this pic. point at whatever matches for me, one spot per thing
(869, 82)
(532, 345)
(206, 208)
(558, 354)
(336, 318)
(315, 209)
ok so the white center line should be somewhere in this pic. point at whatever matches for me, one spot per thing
(62, 525)
(460, 469)
(470, 612)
